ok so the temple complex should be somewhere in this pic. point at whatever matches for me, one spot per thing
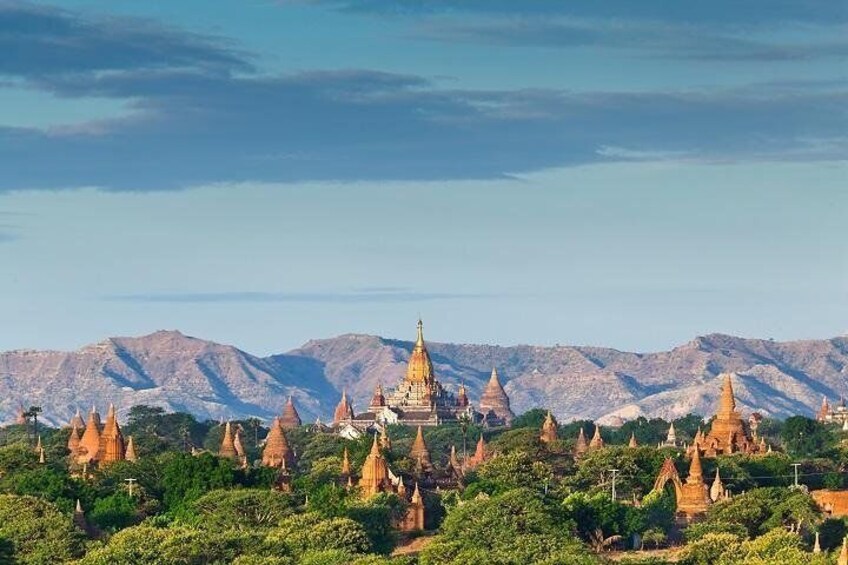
(494, 403)
(833, 413)
(100, 444)
(549, 429)
(290, 419)
(728, 432)
(421, 400)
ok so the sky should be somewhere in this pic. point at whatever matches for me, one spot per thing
(261, 173)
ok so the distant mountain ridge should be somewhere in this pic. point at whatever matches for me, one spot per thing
(218, 381)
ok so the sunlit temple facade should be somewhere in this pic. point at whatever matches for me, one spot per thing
(421, 400)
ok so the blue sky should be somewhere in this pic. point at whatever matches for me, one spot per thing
(261, 173)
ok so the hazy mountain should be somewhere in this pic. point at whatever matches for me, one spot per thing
(220, 381)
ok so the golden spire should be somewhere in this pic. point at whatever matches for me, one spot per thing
(130, 453)
(597, 441)
(41, 458)
(419, 450)
(817, 545)
(419, 341)
(416, 495)
(727, 404)
(228, 449)
(696, 472)
(549, 429)
(375, 449)
(633, 440)
(420, 368)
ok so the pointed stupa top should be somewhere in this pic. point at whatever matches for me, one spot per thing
(346, 462)
(290, 419)
(41, 457)
(717, 488)
(632, 442)
(843, 554)
(74, 440)
(494, 399)
(90, 442)
(94, 414)
(549, 429)
(130, 454)
(112, 441)
(845, 425)
(727, 404)
(237, 443)
(77, 420)
(378, 400)
(375, 472)
(696, 472)
(671, 437)
(375, 449)
(597, 441)
(228, 448)
(38, 444)
(276, 451)
(419, 451)
(416, 495)
(78, 508)
(580, 445)
(420, 368)
(480, 452)
(344, 409)
(817, 545)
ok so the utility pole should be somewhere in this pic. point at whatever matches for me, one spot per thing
(130, 483)
(796, 465)
(613, 471)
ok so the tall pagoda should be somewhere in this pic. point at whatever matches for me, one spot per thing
(494, 404)
(728, 431)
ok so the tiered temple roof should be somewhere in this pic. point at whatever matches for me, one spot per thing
(580, 446)
(99, 443)
(728, 432)
(694, 496)
(375, 473)
(494, 404)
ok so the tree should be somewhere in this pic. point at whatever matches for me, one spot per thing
(37, 531)
(513, 527)
(708, 549)
(242, 509)
(804, 437)
(115, 512)
(311, 532)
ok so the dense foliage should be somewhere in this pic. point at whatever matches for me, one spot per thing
(530, 503)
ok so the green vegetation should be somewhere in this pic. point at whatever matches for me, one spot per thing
(532, 503)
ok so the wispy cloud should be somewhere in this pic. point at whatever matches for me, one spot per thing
(353, 296)
(200, 115)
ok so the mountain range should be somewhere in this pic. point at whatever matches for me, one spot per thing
(218, 381)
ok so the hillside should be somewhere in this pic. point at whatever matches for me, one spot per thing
(219, 381)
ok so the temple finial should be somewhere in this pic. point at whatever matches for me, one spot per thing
(419, 341)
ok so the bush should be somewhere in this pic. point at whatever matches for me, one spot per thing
(37, 531)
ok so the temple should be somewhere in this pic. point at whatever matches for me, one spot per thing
(100, 444)
(494, 403)
(728, 433)
(549, 429)
(421, 400)
(693, 497)
(833, 413)
(290, 419)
